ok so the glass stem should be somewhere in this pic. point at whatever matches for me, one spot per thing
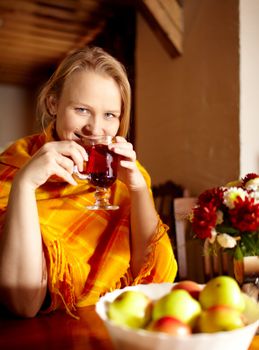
(102, 196)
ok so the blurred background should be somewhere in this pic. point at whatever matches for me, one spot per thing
(193, 67)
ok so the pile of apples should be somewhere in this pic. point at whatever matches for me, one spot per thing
(188, 308)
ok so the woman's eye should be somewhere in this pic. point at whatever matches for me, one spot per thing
(110, 115)
(82, 110)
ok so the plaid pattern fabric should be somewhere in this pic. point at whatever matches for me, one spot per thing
(87, 252)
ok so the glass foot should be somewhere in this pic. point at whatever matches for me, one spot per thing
(102, 207)
(102, 196)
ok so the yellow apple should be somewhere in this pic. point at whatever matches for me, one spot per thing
(178, 304)
(220, 318)
(131, 308)
(222, 290)
(251, 311)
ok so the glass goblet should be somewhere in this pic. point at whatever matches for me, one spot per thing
(100, 169)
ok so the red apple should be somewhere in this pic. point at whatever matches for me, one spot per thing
(170, 325)
(193, 288)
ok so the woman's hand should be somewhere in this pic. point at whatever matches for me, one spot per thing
(53, 158)
(128, 171)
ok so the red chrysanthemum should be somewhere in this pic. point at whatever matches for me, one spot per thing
(249, 177)
(245, 215)
(204, 220)
(213, 196)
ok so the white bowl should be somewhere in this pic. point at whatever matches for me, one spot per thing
(127, 338)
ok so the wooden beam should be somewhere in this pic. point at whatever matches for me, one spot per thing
(165, 18)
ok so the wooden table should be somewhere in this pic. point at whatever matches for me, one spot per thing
(60, 331)
(57, 331)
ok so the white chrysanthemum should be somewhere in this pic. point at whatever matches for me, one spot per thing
(255, 195)
(253, 184)
(232, 194)
(226, 241)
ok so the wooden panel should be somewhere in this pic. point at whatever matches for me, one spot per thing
(36, 34)
(166, 19)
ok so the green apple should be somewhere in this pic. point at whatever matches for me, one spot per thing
(169, 325)
(251, 311)
(220, 318)
(191, 287)
(131, 308)
(179, 304)
(222, 290)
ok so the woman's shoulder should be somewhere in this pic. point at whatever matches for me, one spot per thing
(24, 141)
(19, 151)
(31, 142)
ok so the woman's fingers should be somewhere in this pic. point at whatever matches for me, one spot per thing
(128, 171)
(123, 148)
(128, 164)
(54, 158)
(120, 139)
(69, 149)
(69, 155)
(130, 154)
(65, 162)
(65, 175)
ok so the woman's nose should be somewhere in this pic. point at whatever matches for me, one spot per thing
(94, 126)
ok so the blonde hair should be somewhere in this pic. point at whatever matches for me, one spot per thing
(88, 58)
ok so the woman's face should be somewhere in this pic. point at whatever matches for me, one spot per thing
(90, 103)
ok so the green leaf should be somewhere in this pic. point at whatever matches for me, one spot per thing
(249, 244)
(227, 229)
(238, 255)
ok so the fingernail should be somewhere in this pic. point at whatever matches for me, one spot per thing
(73, 182)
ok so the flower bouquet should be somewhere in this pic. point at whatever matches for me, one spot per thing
(228, 217)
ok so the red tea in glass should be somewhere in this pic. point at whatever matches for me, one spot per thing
(101, 167)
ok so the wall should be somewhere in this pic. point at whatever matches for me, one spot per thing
(15, 113)
(187, 108)
(249, 86)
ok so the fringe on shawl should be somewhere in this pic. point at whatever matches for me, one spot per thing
(161, 230)
(60, 280)
(127, 279)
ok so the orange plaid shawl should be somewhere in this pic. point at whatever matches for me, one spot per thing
(87, 252)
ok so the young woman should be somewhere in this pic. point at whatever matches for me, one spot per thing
(54, 253)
